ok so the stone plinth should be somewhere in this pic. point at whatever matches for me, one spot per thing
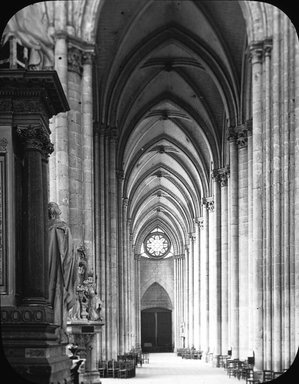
(82, 333)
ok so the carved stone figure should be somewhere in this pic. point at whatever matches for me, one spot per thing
(29, 28)
(62, 267)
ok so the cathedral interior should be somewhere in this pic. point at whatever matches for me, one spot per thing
(165, 135)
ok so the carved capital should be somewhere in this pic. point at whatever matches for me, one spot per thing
(201, 222)
(231, 134)
(87, 57)
(209, 203)
(35, 137)
(125, 201)
(221, 175)
(137, 257)
(256, 50)
(3, 144)
(75, 60)
(242, 136)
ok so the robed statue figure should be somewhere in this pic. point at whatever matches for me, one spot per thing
(62, 268)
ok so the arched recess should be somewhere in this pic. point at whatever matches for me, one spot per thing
(156, 297)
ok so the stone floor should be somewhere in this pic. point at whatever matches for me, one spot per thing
(166, 368)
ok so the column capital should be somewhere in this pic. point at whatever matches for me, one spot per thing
(201, 222)
(221, 175)
(87, 57)
(35, 137)
(231, 134)
(137, 257)
(75, 59)
(242, 136)
(125, 201)
(256, 52)
(209, 203)
(3, 144)
(179, 257)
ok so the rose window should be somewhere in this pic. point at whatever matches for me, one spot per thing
(157, 244)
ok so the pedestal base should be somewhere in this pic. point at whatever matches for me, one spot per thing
(91, 377)
(33, 351)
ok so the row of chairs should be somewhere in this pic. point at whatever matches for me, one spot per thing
(243, 370)
(117, 369)
(189, 353)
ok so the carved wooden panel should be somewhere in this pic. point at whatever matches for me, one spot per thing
(3, 209)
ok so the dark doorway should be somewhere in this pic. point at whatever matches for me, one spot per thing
(156, 330)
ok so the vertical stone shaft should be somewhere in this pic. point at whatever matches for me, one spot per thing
(87, 158)
(61, 139)
(107, 254)
(296, 194)
(204, 286)
(218, 296)
(196, 279)
(276, 172)
(114, 286)
(243, 255)
(121, 265)
(224, 268)
(191, 291)
(234, 255)
(257, 208)
(126, 281)
(249, 244)
(286, 361)
(267, 213)
(212, 281)
(187, 284)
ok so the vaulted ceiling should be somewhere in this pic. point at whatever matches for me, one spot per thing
(169, 79)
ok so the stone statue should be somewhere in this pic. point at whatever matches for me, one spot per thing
(62, 267)
(29, 28)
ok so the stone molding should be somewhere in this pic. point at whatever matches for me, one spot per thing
(32, 92)
(35, 137)
(27, 314)
(179, 257)
(221, 175)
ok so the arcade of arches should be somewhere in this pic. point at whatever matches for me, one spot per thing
(175, 129)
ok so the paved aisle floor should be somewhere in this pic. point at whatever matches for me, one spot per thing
(168, 368)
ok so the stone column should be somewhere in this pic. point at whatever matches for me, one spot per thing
(257, 207)
(243, 238)
(113, 234)
(234, 246)
(196, 280)
(137, 301)
(267, 211)
(88, 161)
(296, 195)
(187, 296)
(35, 140)
(221, 176)
(249, 242)
(204, 280)
(191, 290)
(76, 145)
(126, 272)
(60, 179)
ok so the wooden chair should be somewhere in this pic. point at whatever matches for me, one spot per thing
(102, 368)
(112, 368)
(122, 371)
(267, 375)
